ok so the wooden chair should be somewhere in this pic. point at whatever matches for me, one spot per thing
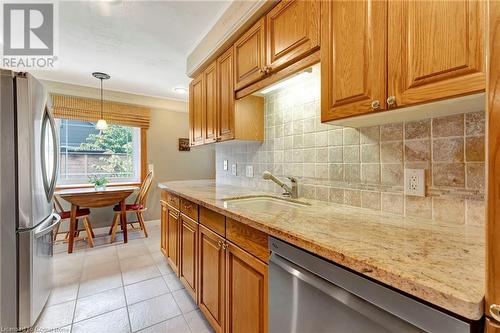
(138, 207)
(81, 214)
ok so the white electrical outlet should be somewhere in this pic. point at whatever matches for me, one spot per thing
(151, 167)
(234, 169)
(249, 171)
(225, 165)
(415, 182)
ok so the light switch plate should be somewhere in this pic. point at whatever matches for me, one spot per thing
(234, 169)
(225, 165)
(249, 171)
(415, 182)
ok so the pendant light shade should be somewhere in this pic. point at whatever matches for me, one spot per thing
(101, 123)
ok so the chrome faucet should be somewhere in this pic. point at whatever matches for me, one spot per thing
(291, 192)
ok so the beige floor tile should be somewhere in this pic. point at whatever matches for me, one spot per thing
(125, 251)
(173, 282)
(56, 316)
(184, 301)
(113, 322)
(66, 278)
(145, 289)
(97, 304)
(164, 268)
(99, 284)
(138, 268)
(175, 325)
(61, 294)
(136, 261)
(152, 311)
(108, 268)
(197, 322)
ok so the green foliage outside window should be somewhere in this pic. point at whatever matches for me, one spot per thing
(117, 142)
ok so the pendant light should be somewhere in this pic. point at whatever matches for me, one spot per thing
(101, 123)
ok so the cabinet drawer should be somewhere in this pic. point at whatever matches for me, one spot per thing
(213, 221)
(171, 199)
(251, 240)
(189, 209)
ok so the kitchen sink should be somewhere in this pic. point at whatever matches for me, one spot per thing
(263, 203)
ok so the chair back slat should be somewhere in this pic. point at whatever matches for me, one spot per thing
(144, 190)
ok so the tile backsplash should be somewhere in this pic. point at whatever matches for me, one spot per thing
(365, 167)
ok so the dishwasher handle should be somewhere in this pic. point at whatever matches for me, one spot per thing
(350, 300)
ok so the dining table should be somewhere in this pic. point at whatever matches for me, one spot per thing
(93, 198)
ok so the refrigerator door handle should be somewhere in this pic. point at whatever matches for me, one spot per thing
(55, 218)
(50, 185)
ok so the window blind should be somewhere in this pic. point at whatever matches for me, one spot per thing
(88, 109)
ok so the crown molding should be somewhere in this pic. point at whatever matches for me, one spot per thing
(239, 16)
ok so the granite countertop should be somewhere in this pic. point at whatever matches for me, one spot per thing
(442, 264)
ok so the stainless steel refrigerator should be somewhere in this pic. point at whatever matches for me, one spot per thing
(28, 169)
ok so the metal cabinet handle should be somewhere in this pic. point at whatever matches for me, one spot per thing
(262, 71)
(267, 70)
(218, 139)
(495, 311)
(220, 244)
(391, 100)
(375, 104)
(224, 245)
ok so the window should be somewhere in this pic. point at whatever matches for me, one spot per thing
(114, 153)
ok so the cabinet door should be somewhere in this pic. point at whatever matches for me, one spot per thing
(210, 107)
(196, 110)
(246, 292)
(436, 49)
(353, 58)
(249, 55)
(225, 90)
(211, 269)
(188, 246)
(292, 32)
(173, 239)
(163, 228)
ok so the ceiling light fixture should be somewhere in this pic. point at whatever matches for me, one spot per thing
(287, 82)
(101, 123)
(180, 90)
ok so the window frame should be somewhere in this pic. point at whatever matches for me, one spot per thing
(142, 162)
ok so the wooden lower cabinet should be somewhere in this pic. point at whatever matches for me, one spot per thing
(226, 276)
(246, 292)
(173, 238)
(211, 277)
(188, 255)
(163, 227)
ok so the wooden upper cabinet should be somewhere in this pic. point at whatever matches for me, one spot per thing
(436, 49)
(211, 285)
(196, 110)
(246, 292)
(225, 91)
(210, 102)
(353, 58)
(188, 255)
(249, 55)
(292, 32)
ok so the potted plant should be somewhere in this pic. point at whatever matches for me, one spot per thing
(99, 182)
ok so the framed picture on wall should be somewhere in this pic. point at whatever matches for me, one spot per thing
(184, 144)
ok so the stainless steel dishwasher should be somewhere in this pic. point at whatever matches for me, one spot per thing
(308, 294)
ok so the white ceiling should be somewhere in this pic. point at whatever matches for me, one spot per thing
(143, 45)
